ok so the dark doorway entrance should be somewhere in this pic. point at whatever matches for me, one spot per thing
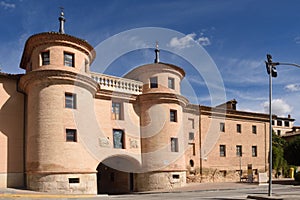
(113, 181)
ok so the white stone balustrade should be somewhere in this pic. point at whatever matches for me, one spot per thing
(117, 84)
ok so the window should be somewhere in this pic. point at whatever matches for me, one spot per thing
(71, 135)
(173, 115)
(174, 144)
(279, 123)
(286, 123)
(254, 131)
(239, 128)
(46, 58)
(118, 136)
(191, 121)
(70, 100)
(153, 82)
(192, 163)
(279, 132)
(222, 150)
(222, 127)
(273, 122)
(175, 176)
(117, 113)
(239, 150)
(171, 83)
(74, 180)
(191, 136)
(69, 59)
(254, 151)
(193, 148)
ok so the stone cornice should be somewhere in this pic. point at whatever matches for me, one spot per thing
(219, 112)
(163, 98)
(53, 77)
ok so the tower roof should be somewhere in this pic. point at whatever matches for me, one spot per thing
(55, 38)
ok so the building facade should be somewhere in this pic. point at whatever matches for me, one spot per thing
(65, 129)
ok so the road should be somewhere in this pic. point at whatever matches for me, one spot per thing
(288, 191)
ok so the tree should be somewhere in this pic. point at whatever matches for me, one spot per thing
(279, 162)
(292, 152)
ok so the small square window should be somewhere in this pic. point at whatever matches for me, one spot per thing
(222, 150)
(254, 129)
(174, 144)
(239, 128)
(69, 59)
(153, 82)
(70, 100)
(222, 127)
(71, 135)
(45, 58)
(171, 83)
(173, 115)
(191, 136)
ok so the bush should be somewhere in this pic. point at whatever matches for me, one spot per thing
(297, 177)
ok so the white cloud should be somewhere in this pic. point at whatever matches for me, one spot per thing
(204, 41)
(279, 107)
(292, 87)
(6, 5)
(188, 41)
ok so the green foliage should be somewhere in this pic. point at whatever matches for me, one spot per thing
(279, 162)
(292, 152)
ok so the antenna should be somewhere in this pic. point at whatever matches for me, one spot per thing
(156, 53)
(61, 20)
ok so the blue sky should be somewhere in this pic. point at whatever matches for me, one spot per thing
(236, 34)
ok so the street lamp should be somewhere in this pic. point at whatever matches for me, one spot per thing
(271, 69)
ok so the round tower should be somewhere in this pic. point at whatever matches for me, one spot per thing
(162, 140)
(57, 87)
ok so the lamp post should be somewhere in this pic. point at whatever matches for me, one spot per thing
(271, 69)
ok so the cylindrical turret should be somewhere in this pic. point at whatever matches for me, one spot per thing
(57, 88)
(162, 138)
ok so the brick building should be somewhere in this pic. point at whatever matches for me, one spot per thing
(65, 129)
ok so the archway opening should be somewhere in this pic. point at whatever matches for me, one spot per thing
(112, 179)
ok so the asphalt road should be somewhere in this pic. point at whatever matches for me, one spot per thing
(283, 191)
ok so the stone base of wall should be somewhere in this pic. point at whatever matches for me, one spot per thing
(63, 183)
(215, 175)
(159, 180)
(14, 180)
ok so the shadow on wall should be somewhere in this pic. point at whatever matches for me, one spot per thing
(11, 131)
